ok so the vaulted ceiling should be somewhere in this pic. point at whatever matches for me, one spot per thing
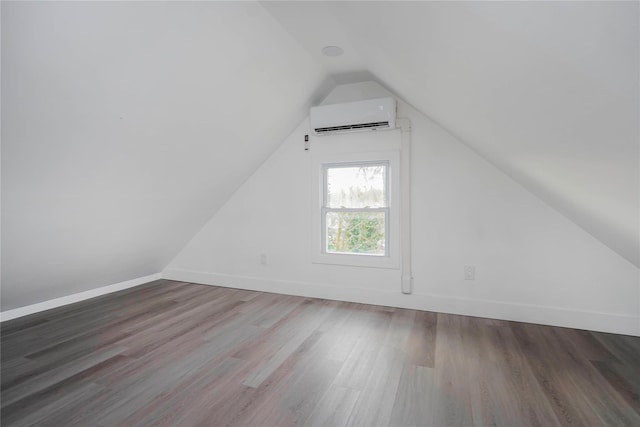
(126, 125)
(546, 91)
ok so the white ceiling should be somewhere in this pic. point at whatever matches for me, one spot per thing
(126, 125)
(547, 91)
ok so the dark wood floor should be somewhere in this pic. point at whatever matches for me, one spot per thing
(171, 353)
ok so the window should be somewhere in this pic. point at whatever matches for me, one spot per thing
(355, 208)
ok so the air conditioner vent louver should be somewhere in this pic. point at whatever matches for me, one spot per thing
(365, 115)
(376, 125)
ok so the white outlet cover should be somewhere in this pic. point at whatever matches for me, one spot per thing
(469, 272)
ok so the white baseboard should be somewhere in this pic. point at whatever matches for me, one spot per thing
(543, 315)
(80, 296)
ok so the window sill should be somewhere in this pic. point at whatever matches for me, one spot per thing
(369, 261)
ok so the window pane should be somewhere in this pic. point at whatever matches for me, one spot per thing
(355, 232)
(357, 187)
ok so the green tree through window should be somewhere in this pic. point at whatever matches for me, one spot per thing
(356, 208)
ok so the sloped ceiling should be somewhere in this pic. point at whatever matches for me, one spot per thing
(126, 125)
(546, 91)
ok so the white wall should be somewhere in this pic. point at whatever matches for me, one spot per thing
(547, 91)
(532, 264)
(126, 125)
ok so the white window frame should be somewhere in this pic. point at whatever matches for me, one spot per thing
(326, 209)
(323, 161)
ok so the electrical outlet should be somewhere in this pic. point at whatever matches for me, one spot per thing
(469, 272)
(263, 259)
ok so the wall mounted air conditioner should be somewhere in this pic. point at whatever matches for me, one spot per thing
(369, 114)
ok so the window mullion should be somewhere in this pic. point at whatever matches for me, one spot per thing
(325, 209)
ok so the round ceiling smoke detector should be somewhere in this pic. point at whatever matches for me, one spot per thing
(332, 50)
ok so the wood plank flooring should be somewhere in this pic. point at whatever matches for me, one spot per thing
(170, 353)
